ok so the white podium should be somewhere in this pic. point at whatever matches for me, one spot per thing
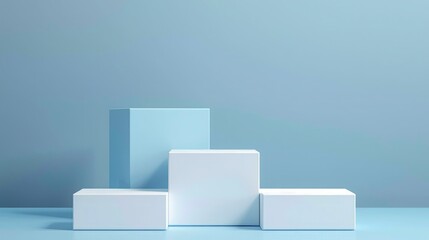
(213, 187)
(120, 209)
(307, 209)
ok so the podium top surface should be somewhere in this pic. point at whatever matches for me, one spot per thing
(305, 191)
(114, 109)
(114, 191)
(214, 151)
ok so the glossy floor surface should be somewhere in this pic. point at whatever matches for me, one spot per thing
(57, 223)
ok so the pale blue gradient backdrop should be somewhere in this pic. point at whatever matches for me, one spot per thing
(333, 93)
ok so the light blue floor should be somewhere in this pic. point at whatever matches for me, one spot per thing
(372, 223)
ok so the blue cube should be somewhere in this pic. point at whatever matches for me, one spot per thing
(140, 139)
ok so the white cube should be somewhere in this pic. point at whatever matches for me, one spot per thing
(213, 187)
(296, 209)
(120, 209)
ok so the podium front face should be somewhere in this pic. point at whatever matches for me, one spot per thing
(213, 187)
(120, 209)
(307, 209)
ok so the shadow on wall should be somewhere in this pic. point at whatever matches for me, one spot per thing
(159, 178)
(46, 181)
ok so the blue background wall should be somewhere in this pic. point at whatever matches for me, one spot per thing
(333, 93)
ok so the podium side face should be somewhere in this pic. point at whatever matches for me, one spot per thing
(214, 187)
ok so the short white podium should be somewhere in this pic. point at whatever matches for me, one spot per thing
(120, 209)
(213, 187)
(307, 209)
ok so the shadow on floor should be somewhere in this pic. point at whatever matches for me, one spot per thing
(53, 212)
(60, 226)
(241, 227)
(250, 228)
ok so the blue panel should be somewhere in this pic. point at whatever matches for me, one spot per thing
(119, 148)
(153, 132)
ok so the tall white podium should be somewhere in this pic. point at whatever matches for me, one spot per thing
(213, 187)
